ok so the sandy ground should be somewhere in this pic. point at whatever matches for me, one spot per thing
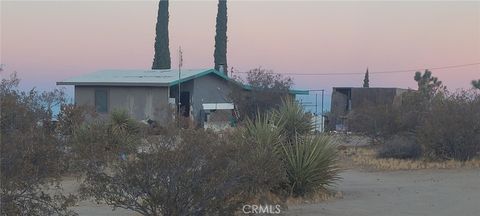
(89, 207)
(422, 192)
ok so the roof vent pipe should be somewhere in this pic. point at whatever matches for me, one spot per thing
(221, 69)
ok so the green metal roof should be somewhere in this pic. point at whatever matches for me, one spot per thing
(166, 77)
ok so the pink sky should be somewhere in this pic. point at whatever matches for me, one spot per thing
(47, 41)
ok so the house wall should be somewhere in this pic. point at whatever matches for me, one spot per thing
(205, 89)
(209, 89)
(140, 102)
(368, 96)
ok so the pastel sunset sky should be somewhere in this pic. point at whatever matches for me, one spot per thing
(48, 41)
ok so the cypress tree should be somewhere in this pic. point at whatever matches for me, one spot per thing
(366, 80)
(161, 60)
(220, 53)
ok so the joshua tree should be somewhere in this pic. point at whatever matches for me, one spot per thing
(476, 84)
(428, 84)
(220, 53)
(161, 60)
(366, 80)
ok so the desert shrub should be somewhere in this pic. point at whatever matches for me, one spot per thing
(400, 147)
(308, 160)
(71, 117)
(376, 121)
(451, 128)
(191, 172)
(101, 142)
(260, 142)
(31, 156)
(292, 120)
(311, 164)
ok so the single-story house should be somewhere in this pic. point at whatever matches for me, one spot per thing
(153, 94)
(346, 99)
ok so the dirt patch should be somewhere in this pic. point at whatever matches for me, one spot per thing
(420, 192)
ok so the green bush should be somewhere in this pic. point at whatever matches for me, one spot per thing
(311, 164)
(400, 147)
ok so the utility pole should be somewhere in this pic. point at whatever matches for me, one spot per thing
(323, 120)
(180, 64)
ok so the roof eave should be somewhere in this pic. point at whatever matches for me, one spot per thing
(112, 84)
(198, 76)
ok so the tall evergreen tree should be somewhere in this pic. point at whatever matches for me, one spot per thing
(366, 80)
(161, 60)
(476, 84)
(220, 54)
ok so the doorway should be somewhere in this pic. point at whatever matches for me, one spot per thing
(185, 103)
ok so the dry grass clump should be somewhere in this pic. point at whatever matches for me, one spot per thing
(320, 196)
(366, 157)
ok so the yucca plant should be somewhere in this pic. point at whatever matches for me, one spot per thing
(292, 119)
(311, 164)
(262, 141)
(264, 133)
(121, 122)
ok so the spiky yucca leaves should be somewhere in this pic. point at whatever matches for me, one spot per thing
(263, 141)
(121, 122)
(264, 132)
(292, 119)
(311, 164)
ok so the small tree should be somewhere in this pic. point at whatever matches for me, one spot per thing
(366, 81)
(261, 91)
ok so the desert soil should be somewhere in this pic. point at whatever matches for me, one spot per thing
(421, 192)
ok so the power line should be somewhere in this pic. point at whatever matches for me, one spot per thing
(376, 72)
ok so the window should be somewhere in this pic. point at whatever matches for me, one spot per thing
(101, 100)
